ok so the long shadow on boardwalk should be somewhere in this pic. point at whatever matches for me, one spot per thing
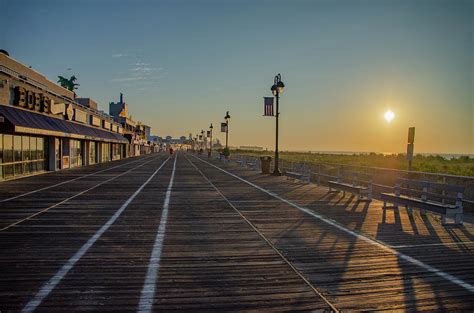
(315, 250)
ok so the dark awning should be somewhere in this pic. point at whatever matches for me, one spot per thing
(34, 123)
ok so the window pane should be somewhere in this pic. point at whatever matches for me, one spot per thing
(8, 171)
(17, 149)
(33, 148)
(18, 169)
(40, 147)
(7, 148)
(1, 153)
(40, 165)
(26, 148)
(26, 168)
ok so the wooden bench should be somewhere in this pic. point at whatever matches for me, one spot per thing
(443, 199)
(298, 172)
(252, 163)
(356, 183)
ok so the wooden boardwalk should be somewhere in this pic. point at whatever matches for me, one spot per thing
(187, 234)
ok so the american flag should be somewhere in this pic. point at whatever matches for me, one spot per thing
(268, 106)
(223, 127)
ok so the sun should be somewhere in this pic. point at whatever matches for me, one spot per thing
(389, 116)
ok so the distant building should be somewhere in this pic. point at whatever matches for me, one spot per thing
(147, 132)
(136, 132)
(251, 148)
(118, 109)
(88, 102)
(154, 139)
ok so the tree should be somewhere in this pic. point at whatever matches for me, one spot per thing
(69, 84)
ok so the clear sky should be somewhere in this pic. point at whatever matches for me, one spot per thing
(183, 64)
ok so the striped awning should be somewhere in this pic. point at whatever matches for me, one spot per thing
(24, 121)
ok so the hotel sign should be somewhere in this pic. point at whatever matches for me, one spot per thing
(36, 101)
(30, 100)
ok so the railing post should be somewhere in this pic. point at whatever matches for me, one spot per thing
(319, 174)
(443, 192)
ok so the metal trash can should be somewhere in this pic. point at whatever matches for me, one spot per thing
(265, 162)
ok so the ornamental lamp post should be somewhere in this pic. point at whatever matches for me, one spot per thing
(210, 144)
(203, 143)
(227, 118)
(277, 89)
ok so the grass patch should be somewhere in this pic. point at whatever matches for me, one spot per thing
(463, 165)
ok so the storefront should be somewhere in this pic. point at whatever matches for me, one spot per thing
(32, 143)
(44, 127)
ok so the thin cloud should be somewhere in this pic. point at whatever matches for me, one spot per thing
(141, 64)
(143, 69)
(127, 79)
(119, 55)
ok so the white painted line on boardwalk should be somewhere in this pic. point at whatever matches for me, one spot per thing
(148, 291)
(56, 279)
(459, 243)
(64, 182)
(377, 243)
(72, 197)
(270, 244)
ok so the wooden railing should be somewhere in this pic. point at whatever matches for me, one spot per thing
(383, 178)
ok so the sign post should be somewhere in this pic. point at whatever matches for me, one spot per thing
(410, 146)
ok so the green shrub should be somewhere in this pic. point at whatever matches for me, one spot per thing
(226, 152)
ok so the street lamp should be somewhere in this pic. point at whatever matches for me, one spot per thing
(276, 89)
(210, 145)
(227, 118)
(203, 142)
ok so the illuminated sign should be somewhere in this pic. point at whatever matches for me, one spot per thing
(106, 125)
(95, 121)
(69, 112)
(57, 108)
(80, 116)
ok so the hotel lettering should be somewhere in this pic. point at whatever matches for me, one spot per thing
(31, 100)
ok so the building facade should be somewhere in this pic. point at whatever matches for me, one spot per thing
(44, 127)
(137, 133)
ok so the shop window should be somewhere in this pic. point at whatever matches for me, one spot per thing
(75, 153)
(17, 148)
(20, 155)
(7, 148)
(40, 148)
(92, 152)
(57, 152)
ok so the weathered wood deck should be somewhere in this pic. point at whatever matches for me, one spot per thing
(230, 240)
